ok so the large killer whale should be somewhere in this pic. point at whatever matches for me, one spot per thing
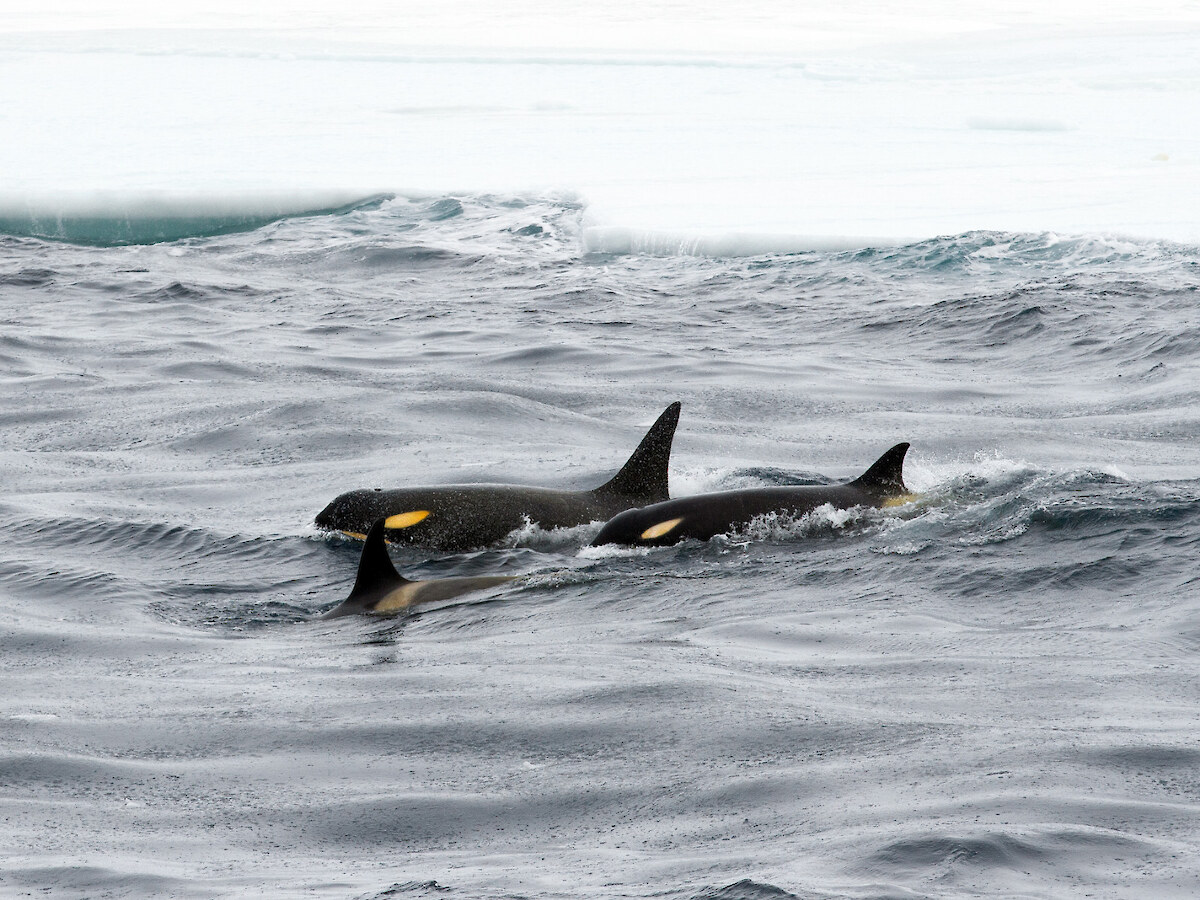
(705, 515)
(380, 590)
(464, 516)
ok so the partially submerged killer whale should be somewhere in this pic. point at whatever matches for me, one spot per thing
(463, 516)
(706, 515)
(380, 590)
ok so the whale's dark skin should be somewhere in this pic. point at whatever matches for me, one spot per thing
(464, 516)
(706, 515)
(380, 590)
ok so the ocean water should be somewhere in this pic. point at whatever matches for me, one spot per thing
(990, 692)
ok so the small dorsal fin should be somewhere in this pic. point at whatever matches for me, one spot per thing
(644, 475)
(886, 476)
(375, 569)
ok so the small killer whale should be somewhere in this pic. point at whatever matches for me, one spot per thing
(460, 517)
(706, 515)
(380, 590)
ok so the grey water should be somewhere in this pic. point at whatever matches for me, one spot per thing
(989, 692)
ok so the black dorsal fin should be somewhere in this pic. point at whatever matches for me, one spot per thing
(887, 475)
(644, 475)
(375, 569)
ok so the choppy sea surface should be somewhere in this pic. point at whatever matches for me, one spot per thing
(990, 692)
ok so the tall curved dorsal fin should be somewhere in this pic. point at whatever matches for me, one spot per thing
(375, 569)
(644, 475)
(886, 476)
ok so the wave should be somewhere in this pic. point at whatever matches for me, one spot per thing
(1009, 855)
(615, 240)
(102, 881)
(180, 574)
(442, 229)
(747, 889)
(969, 251)
(411, 889)
(101, 220)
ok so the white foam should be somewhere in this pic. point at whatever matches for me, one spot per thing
(924, 476)
(784, 526)
(688, 480)
(553, 539)
(610, 551)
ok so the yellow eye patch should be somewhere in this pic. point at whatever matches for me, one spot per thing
(656, 531)
(404, 520)
(900, 501)
(355, 535)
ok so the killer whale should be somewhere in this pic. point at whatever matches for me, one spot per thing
(380, 590)
(705, 515)
(460, 517)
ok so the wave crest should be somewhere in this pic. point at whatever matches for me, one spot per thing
(104, 221)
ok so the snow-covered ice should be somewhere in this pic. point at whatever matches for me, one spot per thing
(774, 125)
